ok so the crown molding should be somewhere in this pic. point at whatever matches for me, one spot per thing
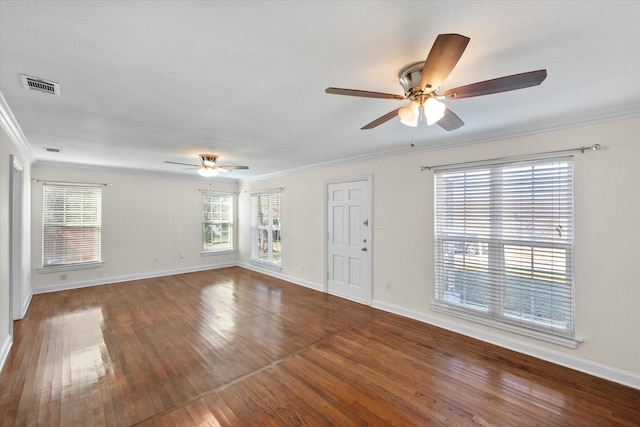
(11, 126)
(490, 136)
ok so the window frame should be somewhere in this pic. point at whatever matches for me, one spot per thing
(231, 245)
(495, 276)
(271, 228)
(66, 212)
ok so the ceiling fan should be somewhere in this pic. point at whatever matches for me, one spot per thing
(208, 166)
(421, 83)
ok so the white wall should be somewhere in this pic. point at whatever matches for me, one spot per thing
(607, 223)
(8, 148)
(144, 216)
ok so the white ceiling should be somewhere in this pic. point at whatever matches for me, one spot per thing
(148, 81)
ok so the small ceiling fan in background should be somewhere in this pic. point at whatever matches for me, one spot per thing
(421, 83)
(208, 166)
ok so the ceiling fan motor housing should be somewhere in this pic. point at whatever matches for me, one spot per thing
(208, 159)
(409, 77)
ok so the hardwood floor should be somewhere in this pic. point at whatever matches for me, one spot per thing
(232, 347)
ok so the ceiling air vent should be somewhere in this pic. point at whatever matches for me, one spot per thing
(40, 85)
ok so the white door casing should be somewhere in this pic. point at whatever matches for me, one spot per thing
(16, 284)
(349, 245)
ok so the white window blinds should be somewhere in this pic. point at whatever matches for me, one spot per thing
(217, 222)
(504, 244)
(71, 224)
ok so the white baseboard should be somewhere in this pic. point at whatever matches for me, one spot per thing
(4, 350)
(25, 305)
(278, 275)
(590, 367)
(127, 278)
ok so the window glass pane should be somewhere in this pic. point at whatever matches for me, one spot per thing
(263, 245)
(275, 248)
(466, 204)
(223, 235)
(537, 287)
(465, 274)
(275, 210)
(536, 202)
(263, 211)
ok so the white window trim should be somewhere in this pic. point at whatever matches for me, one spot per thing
(223, 251)
(265, 264)
(532, 333)
(218, 252)
(70, 267)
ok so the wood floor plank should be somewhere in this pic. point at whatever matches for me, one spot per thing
(232, 347)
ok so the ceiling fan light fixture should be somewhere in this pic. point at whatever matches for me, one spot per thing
(433, 110)
(412, 123)
(409, 114)
(207, 171)
(208, 166)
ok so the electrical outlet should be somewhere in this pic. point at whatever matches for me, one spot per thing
(388, 286)
(155, 259)
(63, 276)
(99, 272)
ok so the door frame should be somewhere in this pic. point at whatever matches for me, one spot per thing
(370, 247)
(16, 240)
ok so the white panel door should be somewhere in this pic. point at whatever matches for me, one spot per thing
(348, 248)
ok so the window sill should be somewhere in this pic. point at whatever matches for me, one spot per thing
(555, 339)
(266, 265)
(69, 267)
(222, 252)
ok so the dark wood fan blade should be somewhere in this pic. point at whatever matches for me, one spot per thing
(444, 55)
(501, 84)
(450, 121)
(184, 164)
(363, 93)
(380, 120)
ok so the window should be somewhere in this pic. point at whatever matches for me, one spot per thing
(217, 222)
(265, 236)
(504, 245)
(71, 225)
